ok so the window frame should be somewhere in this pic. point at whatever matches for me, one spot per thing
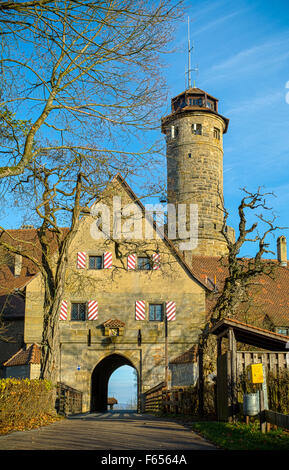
(149, 263)
(217, 133)
(197, 129)
(94, 268)
(85, 311)
(160, 304)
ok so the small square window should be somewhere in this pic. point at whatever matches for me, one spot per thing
(144, 263)
(78, 312)
(156, 312)
(95, 262)
(197, 129)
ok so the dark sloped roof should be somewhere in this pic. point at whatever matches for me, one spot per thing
(252, 335)
(269, 295)
(12, 301)
(187, 357)
(24, 356)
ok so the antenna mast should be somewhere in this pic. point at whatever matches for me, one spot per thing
(189, 58)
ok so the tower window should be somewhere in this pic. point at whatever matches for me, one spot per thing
(197, 129)
(210, 104)
(174, 132)
(189, 155)
(197, 102)
(216, 133)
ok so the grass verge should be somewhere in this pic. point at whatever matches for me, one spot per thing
(240, 436)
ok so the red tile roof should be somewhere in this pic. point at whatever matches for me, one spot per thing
(269, 299)
(23, 357)
(113, 323)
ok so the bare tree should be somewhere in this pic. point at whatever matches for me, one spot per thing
(241, 273)
(80, 72)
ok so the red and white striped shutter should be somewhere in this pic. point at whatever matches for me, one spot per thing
(171, 310)
(92, 310)
(156, 261)
(81, 260)
(63, 310)
(140, 310)
(107, 260)
(131, 261)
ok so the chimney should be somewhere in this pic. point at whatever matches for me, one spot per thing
(17, 265)
(282, 250)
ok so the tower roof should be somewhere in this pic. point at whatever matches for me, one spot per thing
(194, 99)
(195, 91)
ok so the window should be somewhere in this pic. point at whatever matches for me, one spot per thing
(95, 262)
(156, 312)
(197, 129)
(216, 133)
(78, 312)
(210, 105)
(144, 263)
(174, 132)
(282, 331)
(197, 102)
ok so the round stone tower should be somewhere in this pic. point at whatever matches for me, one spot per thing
(194, 135)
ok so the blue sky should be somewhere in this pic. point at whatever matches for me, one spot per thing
(122, 386)
(242, 52)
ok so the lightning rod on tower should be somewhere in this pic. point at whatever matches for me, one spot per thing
(195, 69)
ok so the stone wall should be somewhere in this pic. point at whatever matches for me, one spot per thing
(195, 174)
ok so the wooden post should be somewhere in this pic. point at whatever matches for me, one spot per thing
(201, 384)
(262, 411)
(166, 352)
(233, 349)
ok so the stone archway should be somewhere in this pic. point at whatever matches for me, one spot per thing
(100, 378)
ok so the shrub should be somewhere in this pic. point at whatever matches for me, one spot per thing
(24, 403)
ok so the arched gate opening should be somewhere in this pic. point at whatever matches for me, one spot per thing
(100, 378)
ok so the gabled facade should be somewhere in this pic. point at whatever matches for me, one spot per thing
(115, 304)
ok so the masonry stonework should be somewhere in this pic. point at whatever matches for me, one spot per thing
(194, 138)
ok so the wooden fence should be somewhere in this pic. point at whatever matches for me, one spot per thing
(181, 400)
(68, 400)
(276, 419)
(273, 361)
(153, 398)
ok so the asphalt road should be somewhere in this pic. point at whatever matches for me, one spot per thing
(116, 430)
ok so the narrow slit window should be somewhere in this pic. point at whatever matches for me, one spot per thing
(216, 133)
